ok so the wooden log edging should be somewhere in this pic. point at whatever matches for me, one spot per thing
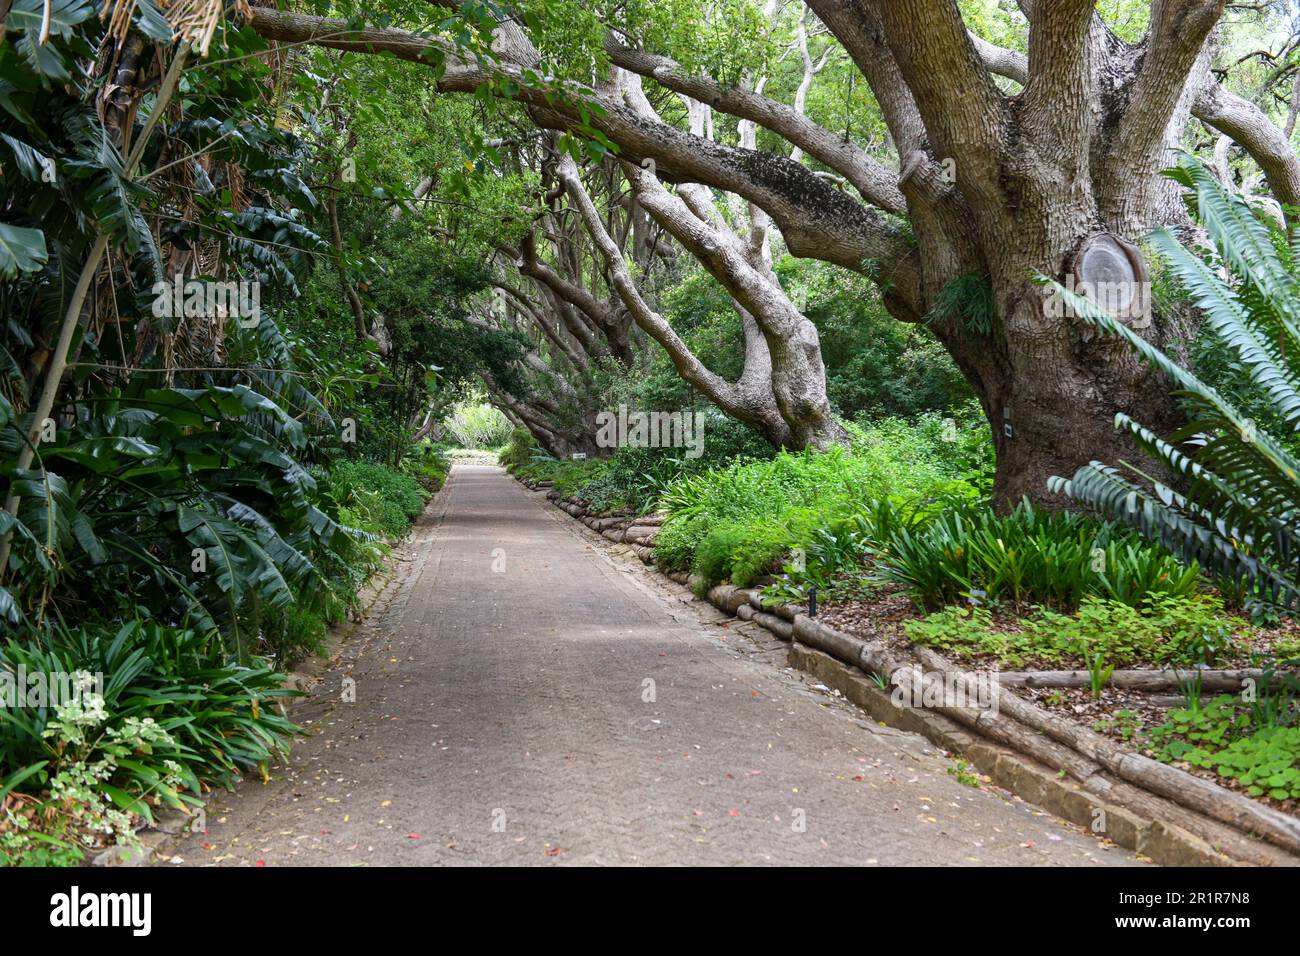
(1028, 729)
(1193, 792)
(1168, 814)
(1210, 681)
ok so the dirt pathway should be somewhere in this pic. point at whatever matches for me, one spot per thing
(524, 696)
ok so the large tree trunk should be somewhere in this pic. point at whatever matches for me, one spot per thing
(1010, 188)
(1051, 392)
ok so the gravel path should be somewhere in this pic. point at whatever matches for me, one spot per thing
(526, 693)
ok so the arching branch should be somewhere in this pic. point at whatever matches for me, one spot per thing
(876, 184)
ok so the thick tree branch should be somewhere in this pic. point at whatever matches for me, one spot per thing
(817, 220)
(1179, 30)
(337, 34)
(856, 24)
(576, 357)
(688, 366)
(878, 185)
(964, 111)
(1251, 128)
(1059, 91)
(601, 315)
(1002, 62)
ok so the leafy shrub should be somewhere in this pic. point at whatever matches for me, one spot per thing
(1260, 749)
(477, 425)
(634, 478)
(375, 498)
(147, 480)
(427, 464)
(176, 714)
(736, 522)
(297, 631)
(958, 446)
(1209, 726)
(1167, 629)
(518, 449)
(968, 631)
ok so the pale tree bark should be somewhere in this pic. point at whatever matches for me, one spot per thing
(749, 399)
(742, 265)
(816, 219)
(551, 327)
(558, 410)
(607, 323)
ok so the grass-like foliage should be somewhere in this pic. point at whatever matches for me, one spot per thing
(175, 714)
(477, 425)
(1235, 504)
(1027, 556)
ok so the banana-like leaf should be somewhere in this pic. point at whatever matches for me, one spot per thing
(29, 15)
(21, 250)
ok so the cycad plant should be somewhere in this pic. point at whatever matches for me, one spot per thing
(1236, 509)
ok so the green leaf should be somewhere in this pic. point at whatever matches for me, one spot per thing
(64, 15)
(21, 250)
(17, 777)
(125, 801)
(32, 163)
(151, 22)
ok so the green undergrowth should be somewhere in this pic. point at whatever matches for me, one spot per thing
(1251, 739)
(738, 522)
(1166, 629)
(375, 498)
(133, 719)
(632, 479)
(1028, 556)
(149, 714)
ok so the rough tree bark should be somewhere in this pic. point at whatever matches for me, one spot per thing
(554, 401)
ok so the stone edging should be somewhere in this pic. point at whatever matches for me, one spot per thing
(1159, 811)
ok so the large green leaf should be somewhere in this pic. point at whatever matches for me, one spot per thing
(64, 15)
(21, 250)
(25, 20)
(32, 163)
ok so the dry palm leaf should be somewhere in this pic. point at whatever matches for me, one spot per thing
(194, 21)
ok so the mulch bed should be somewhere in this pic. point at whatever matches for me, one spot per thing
(880, 616)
